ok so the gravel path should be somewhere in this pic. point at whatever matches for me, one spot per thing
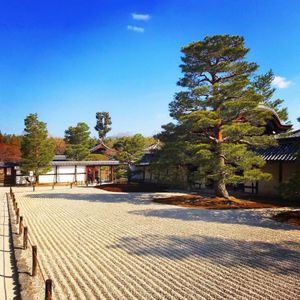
(101, 245)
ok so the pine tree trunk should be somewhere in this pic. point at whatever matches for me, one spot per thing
(220, 189)
(220, 186)
(37, 179)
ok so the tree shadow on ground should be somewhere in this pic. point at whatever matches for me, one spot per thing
(257, 218)
(107, 197)
(283, 258)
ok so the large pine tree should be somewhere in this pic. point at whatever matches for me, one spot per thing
(220, 115)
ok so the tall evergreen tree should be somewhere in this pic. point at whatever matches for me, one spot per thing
(130, 148)
(37, 149)
(219, 117)
(103, 124)
(78, 141)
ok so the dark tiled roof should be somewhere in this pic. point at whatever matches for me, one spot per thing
(287, 150)
(295, 134)
(146, 159)
(59, 157)
(100, 146)
(7, 164)
(86, 163)
(284, 152)
(153, 147)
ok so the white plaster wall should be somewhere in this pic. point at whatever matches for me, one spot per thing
(81, 177)
(66, 178)
(47, 178)
(64, 174)
(81, 169)
(66, 169)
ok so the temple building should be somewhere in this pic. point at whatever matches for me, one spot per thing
(66, 171)
(280, 162)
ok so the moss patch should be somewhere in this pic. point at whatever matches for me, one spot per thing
(214, 202)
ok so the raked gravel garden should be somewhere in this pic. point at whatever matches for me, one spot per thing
(96, 244)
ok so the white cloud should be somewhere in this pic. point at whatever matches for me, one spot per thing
(140, 17)
(135, 28)
(281, 82)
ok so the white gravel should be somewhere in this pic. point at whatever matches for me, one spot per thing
(102, 245)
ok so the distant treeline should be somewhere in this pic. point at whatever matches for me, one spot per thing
(10, 147)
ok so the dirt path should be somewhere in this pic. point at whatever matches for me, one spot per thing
(8, 285)
(101, 245)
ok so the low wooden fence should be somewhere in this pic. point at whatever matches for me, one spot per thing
(23, 230)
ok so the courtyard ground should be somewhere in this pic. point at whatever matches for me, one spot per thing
(96, 244)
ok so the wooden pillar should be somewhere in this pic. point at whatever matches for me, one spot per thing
(144, 173)
(113, 174)
(75, 173)
(56, 174)
(17, 215)
(256, 187)
(100, 175)
(48, 289)
(280, 172)
(86, 174)
(25, 238)
(21, 225)
(34, 260)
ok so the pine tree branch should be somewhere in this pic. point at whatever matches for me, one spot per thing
(213, 139)
(248, 143)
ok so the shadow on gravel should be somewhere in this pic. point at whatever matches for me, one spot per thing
(256, 218)
(134, 198)
(283, 258)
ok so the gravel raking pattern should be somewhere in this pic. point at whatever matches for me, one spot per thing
(99, 245)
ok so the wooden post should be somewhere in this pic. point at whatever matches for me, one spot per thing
(16, 206)
(75, 173)
(113, 174)
(34, 260)
(100, 176)
(17, 215)
(21, 225)
(86, 175)
(25, 238)
(56, 172)
(33, 187)
(48, 289)
(71, 185)
(53, 186)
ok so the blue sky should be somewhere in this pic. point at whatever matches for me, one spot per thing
(68, 59)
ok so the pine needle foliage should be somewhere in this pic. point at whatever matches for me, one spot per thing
(77, 139)
(219, 115)
(37, 149)
(103, 123)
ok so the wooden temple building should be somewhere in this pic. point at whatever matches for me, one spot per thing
(66, 171)
(280, 162)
